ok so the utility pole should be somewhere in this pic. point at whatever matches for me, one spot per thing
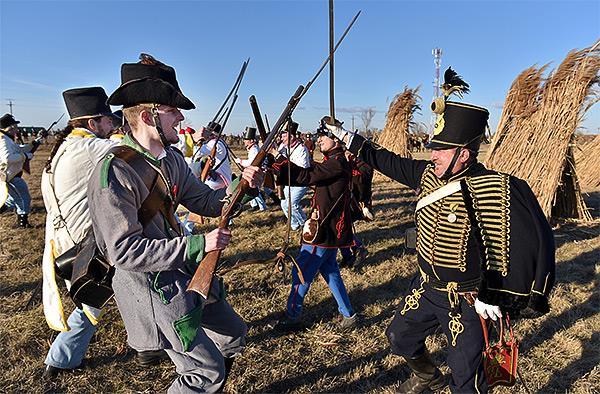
(352, 123)
(10, 104)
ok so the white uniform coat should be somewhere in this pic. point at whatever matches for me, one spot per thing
(72, 167)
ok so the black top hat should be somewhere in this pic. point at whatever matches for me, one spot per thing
(149, 84)
(458, 125)
(86, 102)
(291, 127)
(7, 120)
(250, 133)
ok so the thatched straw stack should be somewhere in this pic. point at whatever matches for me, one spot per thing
(394, 136)
(588, 164)
(537, 127)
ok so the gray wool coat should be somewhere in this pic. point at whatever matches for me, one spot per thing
(152, 266)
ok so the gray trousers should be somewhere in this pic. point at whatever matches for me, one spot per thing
(202, 369)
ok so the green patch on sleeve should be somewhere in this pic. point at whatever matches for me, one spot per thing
(194, 251)
(186, 327)
(104, 170)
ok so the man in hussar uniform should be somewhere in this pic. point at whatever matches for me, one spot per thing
(483, 243)
(77, 150)
(251, 146)
(14, 193)
(153, 261)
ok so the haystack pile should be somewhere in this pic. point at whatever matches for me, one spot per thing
(537, 127)
(394, 136)
(588, 164)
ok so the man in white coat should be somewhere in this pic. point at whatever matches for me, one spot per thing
(76, 152)
(14, 193)
(258, 203)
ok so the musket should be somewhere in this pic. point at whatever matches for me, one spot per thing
(37, 142)
(262, 131)
(214, 126)
(203, 277)
(54, 123)
(213, 152)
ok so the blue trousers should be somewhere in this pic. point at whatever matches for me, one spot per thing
(69, 347)
(347, 252)
(313, 259)
(18, 196)
(258, 201)
(298, 216)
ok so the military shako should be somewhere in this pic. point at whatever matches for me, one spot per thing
(457, 124)
(85, 103)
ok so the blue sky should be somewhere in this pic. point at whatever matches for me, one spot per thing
(49, 46)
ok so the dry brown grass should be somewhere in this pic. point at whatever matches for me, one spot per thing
(536, 131)
(560, 351)
(588, 164)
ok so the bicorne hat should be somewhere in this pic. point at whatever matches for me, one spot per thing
(457, 124)
(250, 134)
(7, 120)
(83, 103)
(143, 83)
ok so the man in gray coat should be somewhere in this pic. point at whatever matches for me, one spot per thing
(153, 262)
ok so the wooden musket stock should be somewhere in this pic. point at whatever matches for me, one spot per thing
(202, 279)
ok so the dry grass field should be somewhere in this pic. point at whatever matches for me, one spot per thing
(560, 352)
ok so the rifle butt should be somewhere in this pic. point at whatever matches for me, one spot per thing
(202, 279)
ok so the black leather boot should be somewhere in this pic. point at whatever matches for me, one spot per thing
(22, 222)
(425, 376)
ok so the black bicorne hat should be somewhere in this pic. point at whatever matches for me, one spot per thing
(7, 120)
(459, 125)
(250, 133)
(149, 84)
(85, 103)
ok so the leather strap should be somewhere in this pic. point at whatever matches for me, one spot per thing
(438, 194)
(159, 197)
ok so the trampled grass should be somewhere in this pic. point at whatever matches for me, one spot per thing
(559, 352)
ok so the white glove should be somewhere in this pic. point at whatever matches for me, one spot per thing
(340, 133)
(486, 310)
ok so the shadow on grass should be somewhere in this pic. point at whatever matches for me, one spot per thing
(563, 380)
(570, 231)
(326, 310)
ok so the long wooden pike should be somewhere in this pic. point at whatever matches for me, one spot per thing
(331, 67)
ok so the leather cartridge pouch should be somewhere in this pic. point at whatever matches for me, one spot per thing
(311, 227)
(500, 359)
(91, 275)
(410, 238)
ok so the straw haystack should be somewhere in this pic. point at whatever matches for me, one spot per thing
(394, 136)
(588, 164)
(537, 127)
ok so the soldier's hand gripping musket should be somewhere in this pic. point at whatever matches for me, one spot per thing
(203, 276)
